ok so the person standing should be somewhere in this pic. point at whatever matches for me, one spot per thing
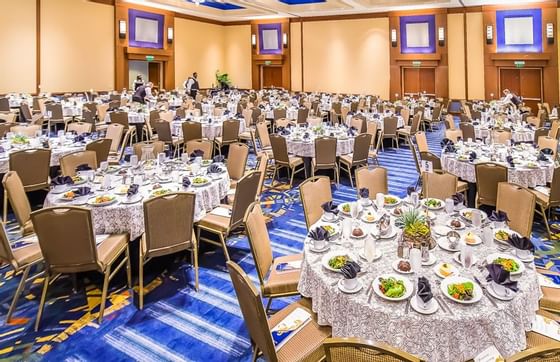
(192, 86)
(138, 82)
(143, 92)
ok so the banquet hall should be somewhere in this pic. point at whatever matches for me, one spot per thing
(280, 180)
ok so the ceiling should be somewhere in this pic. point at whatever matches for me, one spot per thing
(239, 10)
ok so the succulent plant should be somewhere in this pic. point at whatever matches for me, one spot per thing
(416, 228)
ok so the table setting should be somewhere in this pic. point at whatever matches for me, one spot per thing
(519, 132)
(115, 194)
(300, 140)
(429, 276)
(211, 125)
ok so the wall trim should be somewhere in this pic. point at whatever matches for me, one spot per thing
(37, 46)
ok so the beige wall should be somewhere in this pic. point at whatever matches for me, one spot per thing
(295, 60)
(18, 39)
(77, 46)
(237, 53)
(475, 55)
(349, 56)
(456, 52)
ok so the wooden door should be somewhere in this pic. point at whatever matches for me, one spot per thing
(154, 74)
(271, 77)
(419, 80)
(525, 82)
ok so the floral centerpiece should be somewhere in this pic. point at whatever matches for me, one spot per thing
(20, 140)
(416, 229)
(222, 80)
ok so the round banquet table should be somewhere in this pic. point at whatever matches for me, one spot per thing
(133, 118)
(209, 130)
(438, 337)
(307, 148)
(120, 218)
(521, 135)
(380, 124)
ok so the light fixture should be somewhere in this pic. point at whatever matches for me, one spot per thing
(441, 36)
(489, 34)
(550, 33)
(393, 37)
(254, 40)
(285, 40)
(122, 29)
(169, 35)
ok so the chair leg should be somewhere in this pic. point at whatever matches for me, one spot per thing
(268, 304)
(292, 178)
(226, 254)
(141, 282)
(255, 353)
(194, 258)
(19, 289)
(546, 222)
(273, 176)
(128, 268)
(104, 295)
(42, 302)
(5, 210)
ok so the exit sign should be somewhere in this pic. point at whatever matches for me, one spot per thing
(416, 63)
(267, 62)
(519, 63)
(150, 58)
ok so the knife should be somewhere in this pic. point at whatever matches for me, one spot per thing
(485, 292)
(370, 295)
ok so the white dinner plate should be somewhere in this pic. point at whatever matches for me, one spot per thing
(454, 270)
(378, 254)
(325, 259)
(509, 231)
(441, 204)
(490, 260)
(399, 201)
(395, 265)
(407, 285)
(441, 230)
(477, 291)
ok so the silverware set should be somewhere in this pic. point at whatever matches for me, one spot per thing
(485, 292)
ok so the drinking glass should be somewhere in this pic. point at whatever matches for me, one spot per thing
(414, 199)
(467, 257)
(415, 261)
(488, 236)
(369, 251)
(380, 200)
(476, 219)
(354, 211)
(346, 231)
(449, 206)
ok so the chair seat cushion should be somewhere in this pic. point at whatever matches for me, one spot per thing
(283, 282)
(28, 254)
(110, 248)
(535, 339)
(245, 135)
(347, 158)
(216, 222)
(542, 198)
(295, 161)
(462, 186)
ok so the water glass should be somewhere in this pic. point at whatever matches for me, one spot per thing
(369, 250)
(414, 198)
(476, 218)
(488, 237)
(449, 206)
(380, 200)
(415, 260)
(133, 160)
(467, 256)
(346, 231)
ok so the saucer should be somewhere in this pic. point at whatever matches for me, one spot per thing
(457, 258)
(431, 261)
(529, 259)
(313, 249)
(132, 200)
(492, 292)
(60, 191)
(342, 288)
(325, 219)
(431, 309)
(378, 254)
(391, 234)
(444, 244)
(441, 230)
(395, 266)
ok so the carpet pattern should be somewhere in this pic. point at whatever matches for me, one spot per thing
(178, 323)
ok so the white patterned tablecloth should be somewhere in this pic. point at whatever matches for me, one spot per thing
(307, 148)
(209, 130)
(133, 117)
(57, 152)
(517, 136)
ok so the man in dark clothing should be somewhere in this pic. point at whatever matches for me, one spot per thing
(142, 92)
(192, 86)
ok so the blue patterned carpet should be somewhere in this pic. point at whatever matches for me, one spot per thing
(178, 323)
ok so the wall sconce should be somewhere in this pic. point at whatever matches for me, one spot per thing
(169, 35)
(550, 33)
(122, 29)
(489, 34)
(393, 38)
(254, 40)
(285, 40)
(441, 36)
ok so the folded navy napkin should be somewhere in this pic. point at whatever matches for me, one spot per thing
(410, 190)
(458, 199)
(547, 151)
(306, 135)
(542, 157)
(284, 132)
(446, 142)
(83, 167)
(289, 125)
(509, 160)
(218, 159)
(177, 118)
(186, 181)
(521, 242)
(196, 153)
(319, 233)
(82, 191)
(329, 206)
(499, 216)
(472, 156)
(2, 150)
(62, 180)
(424, 289)
(350, 270)
(214, 168)
(476, 123)
(132, 190)
(352, 131)
(364, 192)
(449, 149)
(497, 274)
(79, 138)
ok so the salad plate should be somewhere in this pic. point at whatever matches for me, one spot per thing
(430, 308)
(78, 180)
(461, 290)
(392, 287)
(467, 214)
(102, 200)
(356, 289)
(200, 181)
(501, 235)
(159, 192)
(378, 254)
(508, 262)
(392, 201)
(335, 260)
(433, 204)
(345, 208)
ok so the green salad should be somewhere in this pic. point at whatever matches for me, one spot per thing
(432, 203)
(391, 287)
(337, 262)
(509, 265)
(461, 291)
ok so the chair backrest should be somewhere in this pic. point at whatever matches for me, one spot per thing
(540, 132)
(468, 130)
(66, 238)
(279, 149)
(114, 133)
(79, 127)
(120, 118)
(56, 111)
(554, 129)
(253, 311)
(88, 118)
(69, 162)
(4, 104)
(245, 193)
(102, 111)
(152, 147)
(325, 151)
(454, 134)
(554, 197)
(6, 252)
(375, 180)
(449, 122)
(439, 185)
(203, 145)
(548, 142)
(501, 136)
(163, 130)
(422, 142)
(191, 130)
(302, 115)
(28, 131)
(279, 113)
(32, 166)
(519, 204)
(166, 116)
(433, 158)
(262, 163)
(360, 350)
(488, 176)
(16, 195)
(230, 130)
(405, 114)
(415, 126)
(259, 240)
(548, 352)
(101, 147)
(25, 112)
(248, 116)
(314, 192)
(166, 232)
(255, 115)
(361, 148)
(371, 129)
(262, 134)
(237, 160)
(390, 126)
(5, 128)
(357, 123)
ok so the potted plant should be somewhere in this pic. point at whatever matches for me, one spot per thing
(222, 80)
(416, 229)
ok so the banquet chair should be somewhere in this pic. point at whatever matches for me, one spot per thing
(411, 130)
(554, 129)
(28, 131)
(488, 176)
(88, 117)
(304, 345)
(163, 129)
(358, 123)
(284, 122)
(535, 339)
(468, 131)
(390, 129)
(69, 162)
(502, 136)
(167, 233)
(114, 133)
(56, 115)
(273, 284)
(519, 204)
(361, 350)
(264, 138)
(436, 113)
(101, 147)
(302, 115)
(454, 134)
(449, 122)
(4, 104)
(282, 159)
(166, 116)
(375, 180)
(421, 141)
(9, 118)
(230, 134)
(344, 110)
(540, 132)
(237, 161)
(14, 191)
(548, 142)
(147, 150)
(255, 116)
(325, 156)
(372, 129)
(549, 352)
(148, 127)
(358, 157)
(548, 198)
(180, 112)
(216, 222)
(5, 128)
(405, 114)
(314, 192)
(21, 259)
(120, 118)
(205, 145)
(247, 114)
(68, 245)
(440, 185)
(25, 114)
(191, 131)
(79, 127)
(278, 113)
(535, 121)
